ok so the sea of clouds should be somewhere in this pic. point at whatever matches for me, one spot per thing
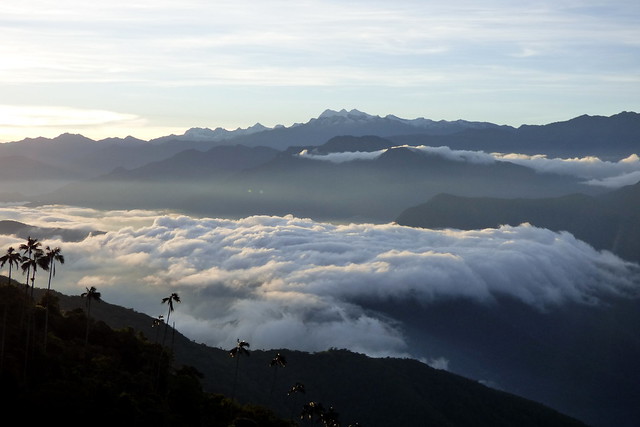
(591, 169)
(287, 282)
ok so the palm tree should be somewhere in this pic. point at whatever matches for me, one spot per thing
(28, 249)
(296, 388)
(277, 362)
(169, 300)
(91, 294)
(51, 255)
(156, 324)
(311, 410)
(30, 265)
(328, 417)
(12, 258)
(237, 351)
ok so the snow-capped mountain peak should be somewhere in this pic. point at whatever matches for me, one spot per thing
(353, 114)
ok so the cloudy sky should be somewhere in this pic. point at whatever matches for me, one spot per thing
(151, 68)
(287, 282)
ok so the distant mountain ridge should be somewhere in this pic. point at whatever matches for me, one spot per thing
(612, 138)
(238, 181)
(25, 231)
(81, 158)
(610, 221)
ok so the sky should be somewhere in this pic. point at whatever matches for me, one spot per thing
(288, 282)
(151, 68)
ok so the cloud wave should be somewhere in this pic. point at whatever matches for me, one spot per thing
(296, 283)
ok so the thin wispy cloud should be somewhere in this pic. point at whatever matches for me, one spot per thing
(592, 169)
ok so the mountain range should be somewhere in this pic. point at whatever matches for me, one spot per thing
(263, 181)
(576, 356)
(613, 136)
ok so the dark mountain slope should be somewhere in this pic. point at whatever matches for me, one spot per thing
(25, 231)
(29, 177)
(610, 221)
(109, 377)
(378, 189)
(370, 391)
(194, 164)
(20, 168)
(610, 138)
(578, 358)
(369, 190)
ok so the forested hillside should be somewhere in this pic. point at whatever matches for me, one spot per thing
(142, 379)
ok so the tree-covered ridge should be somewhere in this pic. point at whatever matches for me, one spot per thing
(119, 376)
(358, 389)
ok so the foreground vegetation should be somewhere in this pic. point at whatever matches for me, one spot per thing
(118, 376)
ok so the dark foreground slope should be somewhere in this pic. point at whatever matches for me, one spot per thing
(371, 392)
(104, 378)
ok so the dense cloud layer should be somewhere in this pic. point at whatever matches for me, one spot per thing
(296, 283)
(592, 169)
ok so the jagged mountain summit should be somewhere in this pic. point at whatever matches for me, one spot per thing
(218, 134)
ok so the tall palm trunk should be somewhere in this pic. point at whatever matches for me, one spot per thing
(86, 334)
(46, 309)
(166, 327)
(4, 334)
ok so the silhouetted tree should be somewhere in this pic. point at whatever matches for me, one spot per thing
(312, 410)
(91, 294)
(31, 264)
(31, 250)
(328, 417)
(34, 259)
(169, 300)
(239, 350)
(156, 324)
(52, 256)
(279, 361)
(12, 258)
(297, 388)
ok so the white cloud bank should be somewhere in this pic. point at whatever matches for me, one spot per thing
(592, 169)
(291, 282)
